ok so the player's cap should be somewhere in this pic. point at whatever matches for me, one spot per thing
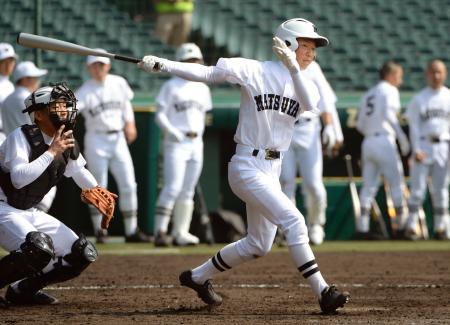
(7, 51)
(188, 51)
(93, 59)
(27, 69)
(295, 28)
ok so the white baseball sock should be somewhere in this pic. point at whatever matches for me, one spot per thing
(130, 222)
(305, 262)
(224, 260)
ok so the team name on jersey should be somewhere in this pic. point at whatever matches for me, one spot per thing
(434, 112)
(188, 104)
(274, 102)
(94, 111)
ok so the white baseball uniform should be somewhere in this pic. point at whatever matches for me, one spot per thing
(305, 155)
(377, 121)
(429, 116)
(181, 105)
(6, 88)
(15, 224)
(106, 107)
(13, 118)
(272, 99)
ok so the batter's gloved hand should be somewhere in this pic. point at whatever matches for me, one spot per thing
(103, 200)
(328, 136)
(151, 63)
(285, 54)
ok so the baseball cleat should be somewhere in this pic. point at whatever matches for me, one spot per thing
(162, 240)
(204, 291)
(332, 299)
(186, 239)
(137, 237)
(101, 236)
(38, 298)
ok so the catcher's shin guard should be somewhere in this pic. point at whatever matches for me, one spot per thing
(34, 254)
(82, 255)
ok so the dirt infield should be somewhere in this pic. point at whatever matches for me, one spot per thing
(386, 288)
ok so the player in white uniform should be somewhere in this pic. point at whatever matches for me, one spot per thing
(42, 250)
(27, 79)
(378, 122)
(8, 59)
(105, 102)
(181, 107)
(305, 155)
(273, 96)
(428, 115)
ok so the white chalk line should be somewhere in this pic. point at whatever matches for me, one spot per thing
(250, 286)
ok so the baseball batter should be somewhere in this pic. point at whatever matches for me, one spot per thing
(105, 102)
(181, 108)
(33, 158)
(8, 59)
(429, 116)
(305, 155)
(273, 96)
(378, 122)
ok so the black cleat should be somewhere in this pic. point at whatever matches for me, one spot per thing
(441, 235)
(204, 291)
(162, 240)
(332, 299)
(38, 298)
(101, 236)
(138, 237)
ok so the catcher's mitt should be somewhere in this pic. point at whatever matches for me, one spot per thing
(103, 200)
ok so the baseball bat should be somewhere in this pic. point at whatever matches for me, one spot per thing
(52, 44)
(353, 191)
(205, 220)
(378, 217)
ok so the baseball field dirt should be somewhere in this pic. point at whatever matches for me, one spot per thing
(140, 285)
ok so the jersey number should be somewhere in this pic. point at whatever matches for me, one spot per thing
(370, 105)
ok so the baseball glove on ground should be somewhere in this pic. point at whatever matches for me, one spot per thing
(103, 200)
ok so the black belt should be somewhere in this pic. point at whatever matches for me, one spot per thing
(191, 135)
(270, 154)
(432, 139)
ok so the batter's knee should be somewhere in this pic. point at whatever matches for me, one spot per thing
(254, 248)
(295, 231)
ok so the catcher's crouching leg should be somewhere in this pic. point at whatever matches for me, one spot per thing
(68, 267)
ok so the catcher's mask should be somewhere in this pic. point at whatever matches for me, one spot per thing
(58, 100)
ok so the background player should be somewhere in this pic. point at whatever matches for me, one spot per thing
(27, 79)
(104, 101)
(8, 59)
(42, 249)
(305, 155)
(273, 95)
(378, 122)
(181, 108)
(428, 115)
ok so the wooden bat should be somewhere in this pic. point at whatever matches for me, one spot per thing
(205, 220)
(391, 209)
(52, 44)
(353, 191)
(378, 217)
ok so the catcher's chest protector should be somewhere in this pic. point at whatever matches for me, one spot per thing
(31, 194)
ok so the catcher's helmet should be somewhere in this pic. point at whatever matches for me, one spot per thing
(188, 51)
(294, 28)
(41, 99)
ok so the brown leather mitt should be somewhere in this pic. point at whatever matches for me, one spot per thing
(103, 200)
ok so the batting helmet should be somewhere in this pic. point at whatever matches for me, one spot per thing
(188, 51)
(294, 28)
(41, 98)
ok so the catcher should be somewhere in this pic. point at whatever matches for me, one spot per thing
(33, 158)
